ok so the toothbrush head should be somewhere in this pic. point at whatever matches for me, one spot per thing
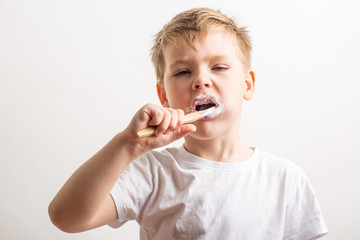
(213, 112)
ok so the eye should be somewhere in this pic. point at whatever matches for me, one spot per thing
(181, 72)
(220, 67)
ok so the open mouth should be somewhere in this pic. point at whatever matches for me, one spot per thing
(202, 107)
(205, 102)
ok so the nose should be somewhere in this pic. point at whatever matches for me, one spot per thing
(202, 80)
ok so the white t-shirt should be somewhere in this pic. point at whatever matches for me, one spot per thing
(174, 194)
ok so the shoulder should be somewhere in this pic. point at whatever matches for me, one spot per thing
(148, 171)
(154, 159)
(278, 163)
(166, 153)
(303, 215)
(287, 171)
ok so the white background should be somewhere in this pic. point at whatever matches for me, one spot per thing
(73, 73)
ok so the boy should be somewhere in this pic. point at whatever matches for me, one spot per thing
(212, 187)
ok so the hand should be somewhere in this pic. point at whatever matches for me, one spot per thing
(168, 123)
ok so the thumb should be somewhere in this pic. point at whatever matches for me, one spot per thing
(183, 131)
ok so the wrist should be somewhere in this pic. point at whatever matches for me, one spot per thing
(130, 146)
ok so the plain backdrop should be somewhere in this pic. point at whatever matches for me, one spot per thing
(73, 73)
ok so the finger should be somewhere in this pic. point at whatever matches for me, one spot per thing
(181, 116)
(142, 118)
(156, 115)
(174, 120)
(183, 131)
(163, 126)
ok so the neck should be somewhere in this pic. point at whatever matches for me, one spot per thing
(225, 148)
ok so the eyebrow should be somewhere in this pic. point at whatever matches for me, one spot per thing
(180, 61)
(189, 60)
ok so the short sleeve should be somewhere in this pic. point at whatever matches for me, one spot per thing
(131, 191)
(303, 217)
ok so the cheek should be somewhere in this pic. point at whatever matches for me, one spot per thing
(178, 98)
(234, 97)
(238, 89)
(233, 110)
(233, 91)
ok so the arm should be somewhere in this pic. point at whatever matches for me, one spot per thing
(84, 202)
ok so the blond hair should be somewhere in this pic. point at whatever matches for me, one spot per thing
(189, 26)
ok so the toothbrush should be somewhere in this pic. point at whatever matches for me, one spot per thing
(188, 118)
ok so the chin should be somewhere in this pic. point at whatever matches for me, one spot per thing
(205, 133)
(209, 129)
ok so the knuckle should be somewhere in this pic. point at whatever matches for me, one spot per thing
(167, 114)
(159, 115)
(148, 106)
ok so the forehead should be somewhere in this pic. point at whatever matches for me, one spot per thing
(216, 43)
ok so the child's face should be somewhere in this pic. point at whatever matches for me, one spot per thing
(213, 69)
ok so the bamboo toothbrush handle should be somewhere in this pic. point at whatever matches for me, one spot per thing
(189, 118)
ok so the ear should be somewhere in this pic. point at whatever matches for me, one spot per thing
(250, 85)
(162, 95)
